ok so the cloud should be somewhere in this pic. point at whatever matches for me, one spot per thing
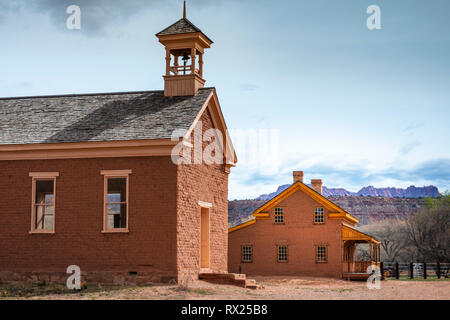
(248, 87)
(412, 127)
(347, 175)
(96, 15)
(407, 148)
(8, 7)
(437, 170)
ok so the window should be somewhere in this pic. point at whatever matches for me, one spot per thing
(279, 215)
(43, 202)
(247, 254)
(319, 216)
(282, 254)
(116, 201)
(321, 253)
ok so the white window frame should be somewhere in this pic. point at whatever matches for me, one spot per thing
(45, 176)
(111, 174)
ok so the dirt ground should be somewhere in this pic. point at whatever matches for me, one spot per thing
(281, 288)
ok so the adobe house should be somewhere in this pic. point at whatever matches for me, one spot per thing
(90, 180)
(300, 232)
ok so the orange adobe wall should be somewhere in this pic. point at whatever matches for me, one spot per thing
(206, 183)
(298, 232)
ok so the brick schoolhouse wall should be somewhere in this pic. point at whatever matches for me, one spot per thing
(301, 236)
(150, 245)
(208, 183)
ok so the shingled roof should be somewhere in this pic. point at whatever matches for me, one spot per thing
(97, 117)
(180, 27)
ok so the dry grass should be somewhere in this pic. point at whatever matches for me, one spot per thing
(278, 288)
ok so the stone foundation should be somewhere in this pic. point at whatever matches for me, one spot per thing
(101, 277)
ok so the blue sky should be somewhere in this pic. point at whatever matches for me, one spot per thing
(351, 106)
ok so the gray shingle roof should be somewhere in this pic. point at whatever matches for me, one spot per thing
(97, 117)
(181, 26)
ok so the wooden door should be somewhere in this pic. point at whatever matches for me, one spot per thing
(205, 239)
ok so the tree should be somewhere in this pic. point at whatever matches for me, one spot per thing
(428, 231)
(392, 237)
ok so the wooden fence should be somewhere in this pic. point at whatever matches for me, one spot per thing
(413, 270)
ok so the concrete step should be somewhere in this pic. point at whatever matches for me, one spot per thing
(251, 284)
(229, 278)
(224, 276)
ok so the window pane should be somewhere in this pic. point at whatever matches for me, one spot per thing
(117, 190)
(279, 216)
(44, 217)
(39, 217)
(319, 216)
(116, 216)
(321, 254)
(113, 197)
(44, 192)
(282, 253)
(247, 253)
(48, 222)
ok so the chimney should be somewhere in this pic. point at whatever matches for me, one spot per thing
(316, 184)
(298, 176)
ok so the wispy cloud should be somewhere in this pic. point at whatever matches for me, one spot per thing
(412, 127)
(407, 148)
(248, 87)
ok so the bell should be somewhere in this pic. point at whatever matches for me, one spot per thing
(186, 57)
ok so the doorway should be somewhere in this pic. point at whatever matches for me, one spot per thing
(205, 239)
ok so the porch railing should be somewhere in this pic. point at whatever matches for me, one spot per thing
(357, 266)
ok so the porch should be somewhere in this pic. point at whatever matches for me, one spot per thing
(351, 268)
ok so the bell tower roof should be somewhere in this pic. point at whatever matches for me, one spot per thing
(182, 26)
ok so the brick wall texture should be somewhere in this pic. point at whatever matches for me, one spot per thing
(163, 242)
(301, 236)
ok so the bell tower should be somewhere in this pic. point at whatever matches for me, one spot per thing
(185, 45)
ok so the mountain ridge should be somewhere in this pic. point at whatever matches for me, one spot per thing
(369, 191)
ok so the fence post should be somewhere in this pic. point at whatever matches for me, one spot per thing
(424, 270)
(439, 270)
(382, 270)
(397, 272)
(411, 270)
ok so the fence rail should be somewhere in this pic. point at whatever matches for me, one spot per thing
(413, 270)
